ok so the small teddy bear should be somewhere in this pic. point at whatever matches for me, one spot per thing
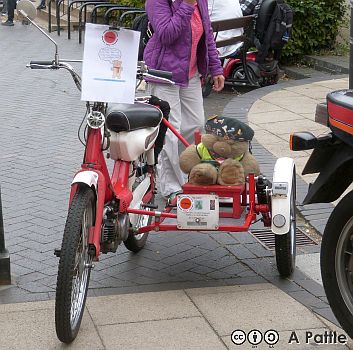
(223, 155)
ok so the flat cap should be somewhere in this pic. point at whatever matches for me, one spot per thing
(229, 128)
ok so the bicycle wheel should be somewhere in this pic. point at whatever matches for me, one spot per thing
(135, 242)
(285, 245)
(74, 266)
(336, 261)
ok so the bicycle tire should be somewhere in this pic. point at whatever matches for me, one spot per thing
(73, 272)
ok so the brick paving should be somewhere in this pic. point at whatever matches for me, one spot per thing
(40, 152)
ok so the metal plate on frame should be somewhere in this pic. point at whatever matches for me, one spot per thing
(267, 238)
(198, 212)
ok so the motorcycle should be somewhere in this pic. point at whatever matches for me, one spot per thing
(332, 158)
(238, 71)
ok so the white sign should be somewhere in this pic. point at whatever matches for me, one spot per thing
(109, 64)
(198, 212)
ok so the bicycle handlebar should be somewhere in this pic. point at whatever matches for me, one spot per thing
(142, 71)
(160, 73)
(41, 64)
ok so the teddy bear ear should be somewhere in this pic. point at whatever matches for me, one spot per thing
(229, 128)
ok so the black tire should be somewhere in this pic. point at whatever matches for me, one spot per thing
(239, 74)
(207, 86)
(336, 262)
(74, 266)
(285, 245)
(135, 243)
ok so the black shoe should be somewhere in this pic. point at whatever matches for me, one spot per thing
(41, 7)
(8, 23)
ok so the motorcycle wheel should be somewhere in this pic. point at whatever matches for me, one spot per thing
(134, 242)
(74, 266)
(285, 245)
(336, 261)
(207, 85)
(239, 74)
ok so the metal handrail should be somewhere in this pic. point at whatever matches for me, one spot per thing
(84, 7)
(125, 14)
(118, 8)
(69, 14)
(58, 3)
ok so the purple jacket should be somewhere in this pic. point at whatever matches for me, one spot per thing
(170, 46)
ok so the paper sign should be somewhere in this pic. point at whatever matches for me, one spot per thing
(109, 64)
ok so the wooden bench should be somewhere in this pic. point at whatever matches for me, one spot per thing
(245, 22)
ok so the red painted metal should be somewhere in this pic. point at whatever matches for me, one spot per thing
(101, 190)
(234, 192)
(197, 136)
(120, 183)
(151, 213)
(262, 208)
(72, 192)
(93, 147)
(175, 132)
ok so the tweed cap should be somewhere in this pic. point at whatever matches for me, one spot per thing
(229, 128)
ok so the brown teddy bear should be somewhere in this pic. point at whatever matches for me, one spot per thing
(223, 155)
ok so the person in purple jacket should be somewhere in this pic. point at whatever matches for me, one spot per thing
(183, 44)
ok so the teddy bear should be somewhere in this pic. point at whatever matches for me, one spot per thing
(223, 156)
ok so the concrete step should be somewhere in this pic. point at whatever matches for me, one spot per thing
(304, 72)
(330, 64)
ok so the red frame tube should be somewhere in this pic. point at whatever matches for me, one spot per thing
(118, 187)
(175, 132)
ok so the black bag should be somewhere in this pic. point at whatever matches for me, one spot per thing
(142, 24)
(273, 28)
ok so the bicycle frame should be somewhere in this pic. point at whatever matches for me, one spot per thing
(116, 188)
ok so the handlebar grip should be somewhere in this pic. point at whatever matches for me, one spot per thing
(32, 64)
(161, 73)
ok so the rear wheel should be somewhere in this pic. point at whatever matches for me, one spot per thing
(337, 262)
(285, 245)
(135, 242)
(74, 266)
(238, 73)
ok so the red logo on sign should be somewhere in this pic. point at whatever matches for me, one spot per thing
(110, 37)
(185, 203)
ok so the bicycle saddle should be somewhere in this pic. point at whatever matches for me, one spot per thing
(126, 117)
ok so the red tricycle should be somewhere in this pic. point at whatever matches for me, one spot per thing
(106, 209)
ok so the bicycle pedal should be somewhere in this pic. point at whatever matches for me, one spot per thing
(150, 206)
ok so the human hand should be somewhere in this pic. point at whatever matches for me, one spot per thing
(218, 82)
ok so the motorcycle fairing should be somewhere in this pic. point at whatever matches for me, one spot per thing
(335, 165)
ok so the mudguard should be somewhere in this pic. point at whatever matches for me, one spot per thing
(87, 177)
(281, 193)
(255, 67)
(335, 165)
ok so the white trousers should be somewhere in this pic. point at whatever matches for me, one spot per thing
(186, 114)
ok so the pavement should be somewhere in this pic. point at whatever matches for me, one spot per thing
(188, 291)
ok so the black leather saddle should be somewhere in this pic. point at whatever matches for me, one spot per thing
(126, 117)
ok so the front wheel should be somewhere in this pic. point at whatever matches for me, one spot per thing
(74, 266)
(336, 262)
(285, 245)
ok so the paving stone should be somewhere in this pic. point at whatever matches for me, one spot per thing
(308, 299)
(192, 333)
(241, 251)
